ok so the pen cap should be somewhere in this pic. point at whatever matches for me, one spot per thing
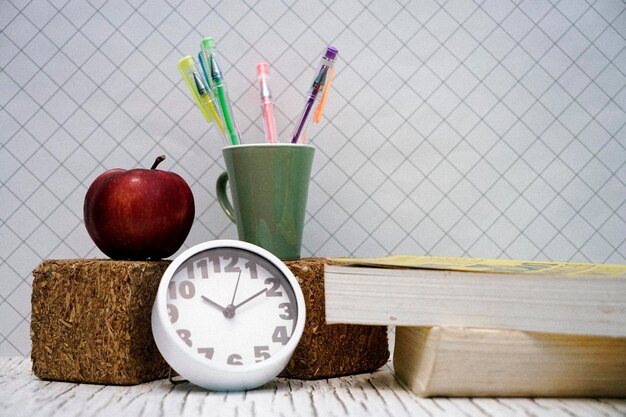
(190, 73)
(331, 53)
(207, 43)
(262, 70)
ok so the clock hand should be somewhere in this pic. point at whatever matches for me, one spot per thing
(213, 303)
(250, 298)
(236, 286)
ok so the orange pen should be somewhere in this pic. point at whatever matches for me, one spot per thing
(320, 107)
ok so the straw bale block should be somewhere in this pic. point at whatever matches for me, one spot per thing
(91, 321)
(330, 350)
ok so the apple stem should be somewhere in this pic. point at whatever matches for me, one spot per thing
(157, 161)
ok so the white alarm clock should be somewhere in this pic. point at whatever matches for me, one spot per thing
(228, 315)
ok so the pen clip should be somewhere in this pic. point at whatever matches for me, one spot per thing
(319, 110)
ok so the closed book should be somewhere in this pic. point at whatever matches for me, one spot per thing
(550, 297)
(467, 362)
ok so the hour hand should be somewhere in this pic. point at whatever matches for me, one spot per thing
(208, 300)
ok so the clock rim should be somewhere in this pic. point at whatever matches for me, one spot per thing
(178, 355)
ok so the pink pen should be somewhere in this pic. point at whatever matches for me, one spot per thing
(266, 103)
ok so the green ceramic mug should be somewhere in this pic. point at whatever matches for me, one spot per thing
(269, 185)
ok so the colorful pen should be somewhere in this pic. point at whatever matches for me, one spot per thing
(209, 51)
(328, 60)
(267, 106)
(190, 72)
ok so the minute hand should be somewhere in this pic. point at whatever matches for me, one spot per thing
(250, 298)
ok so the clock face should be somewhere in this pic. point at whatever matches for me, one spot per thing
(231, 307)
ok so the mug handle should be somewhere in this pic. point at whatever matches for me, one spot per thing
(222, 196)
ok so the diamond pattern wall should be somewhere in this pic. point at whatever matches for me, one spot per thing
(488, 128)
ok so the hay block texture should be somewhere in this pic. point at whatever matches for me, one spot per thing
(330, 350)
(91, 321)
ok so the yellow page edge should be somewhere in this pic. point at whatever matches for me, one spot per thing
(499, 266)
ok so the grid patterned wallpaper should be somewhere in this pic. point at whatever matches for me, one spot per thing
(467, 128)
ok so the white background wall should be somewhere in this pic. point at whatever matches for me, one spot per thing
(467, 128)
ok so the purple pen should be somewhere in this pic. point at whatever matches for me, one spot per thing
(328, 60)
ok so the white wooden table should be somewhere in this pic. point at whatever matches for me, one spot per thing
(377, 394)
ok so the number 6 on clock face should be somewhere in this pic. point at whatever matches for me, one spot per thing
(228, 315)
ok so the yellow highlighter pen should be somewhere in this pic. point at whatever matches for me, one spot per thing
(188, 69)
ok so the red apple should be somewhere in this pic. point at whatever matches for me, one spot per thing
(139, 214)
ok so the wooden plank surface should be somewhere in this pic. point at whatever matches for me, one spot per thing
(376, 394)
